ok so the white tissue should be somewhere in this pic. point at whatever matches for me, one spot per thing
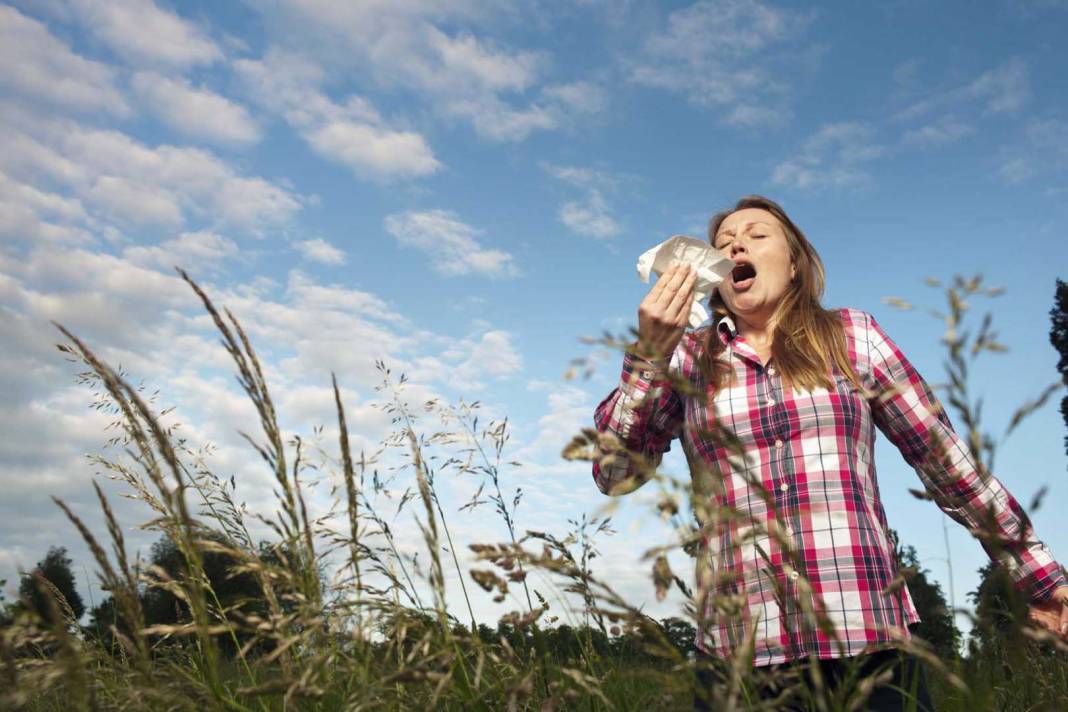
(712, 268)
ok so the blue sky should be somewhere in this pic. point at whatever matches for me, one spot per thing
(462, 188)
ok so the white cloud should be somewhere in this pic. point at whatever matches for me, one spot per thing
(30, 214)
(942, 132)
(36, 64)
(134, 185)
(498, 120)
(352, 134)
(721, 52)
(568, 410)
(195, 112)
(468, 363)
(450, 243)
(1005, 89)
(373, 150)
(319, 250)
(192, 251)
(130, 201)
(463, 75)
(142, 32)
(306, 294)
(591, 215)
(403, 45)
(581, 177)
(580, 96)
(833, 157)
(469, 60)
(1042, 150)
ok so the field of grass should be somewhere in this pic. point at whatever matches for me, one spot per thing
(377, 633)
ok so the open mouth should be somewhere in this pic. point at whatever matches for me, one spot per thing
(743, 274)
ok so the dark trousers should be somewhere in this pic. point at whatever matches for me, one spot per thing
(901, 687)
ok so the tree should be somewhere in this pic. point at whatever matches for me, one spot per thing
(999, 608)
(5, 613)
(233, 591)
(680, 632)
(55, 569)
(936, 625)
(1058, 336)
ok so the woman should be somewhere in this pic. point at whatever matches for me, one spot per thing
(794, 528)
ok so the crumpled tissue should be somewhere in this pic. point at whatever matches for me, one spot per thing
(712, 268)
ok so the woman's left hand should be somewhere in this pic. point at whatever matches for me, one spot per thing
(1052, 614)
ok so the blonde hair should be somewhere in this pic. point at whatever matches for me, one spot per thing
(807, 339)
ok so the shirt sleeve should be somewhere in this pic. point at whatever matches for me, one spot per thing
(644, 414)
(908, 413)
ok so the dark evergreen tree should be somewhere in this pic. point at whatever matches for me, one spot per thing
(5, 614)
(936, 624)
(1058, 336)
(680, 632)
(55, 568)
(234, 591)
(999, 609)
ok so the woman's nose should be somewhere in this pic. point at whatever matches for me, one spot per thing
(736, 247)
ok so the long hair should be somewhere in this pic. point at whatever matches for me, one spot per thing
(807, 339)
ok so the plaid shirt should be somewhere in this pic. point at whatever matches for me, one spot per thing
(812, 452)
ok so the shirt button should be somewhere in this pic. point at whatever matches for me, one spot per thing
(647, 374)
(771, 403)
(789, 531)
(771, 370)
(784, 487)
(794, 575)
(779, 444)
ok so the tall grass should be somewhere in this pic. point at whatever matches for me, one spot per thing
(347, 620)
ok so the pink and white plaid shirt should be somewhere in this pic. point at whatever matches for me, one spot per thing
(813, 454)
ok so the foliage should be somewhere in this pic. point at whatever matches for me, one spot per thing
(936, 625)
(217, 622)
(52, 572)
(1058, 336)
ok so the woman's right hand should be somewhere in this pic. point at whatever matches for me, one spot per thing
(665, 311)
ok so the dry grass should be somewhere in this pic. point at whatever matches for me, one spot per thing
(368, 638)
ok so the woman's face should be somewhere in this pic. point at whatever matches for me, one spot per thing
(757, 243)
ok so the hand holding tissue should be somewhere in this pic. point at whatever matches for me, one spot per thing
(709, 263)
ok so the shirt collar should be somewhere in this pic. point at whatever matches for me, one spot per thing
(726, 329)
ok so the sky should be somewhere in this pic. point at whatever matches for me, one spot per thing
(461, 189)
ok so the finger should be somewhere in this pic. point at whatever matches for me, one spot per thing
(672, 287)
(682, 292)
(679, 309)
(1062, 627)
(683, 319)
(1039, 617)
(662, 282)
(1045, 619)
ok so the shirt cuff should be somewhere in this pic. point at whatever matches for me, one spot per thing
(640, 374)
(1041, 584)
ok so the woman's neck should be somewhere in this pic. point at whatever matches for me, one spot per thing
(758, 331)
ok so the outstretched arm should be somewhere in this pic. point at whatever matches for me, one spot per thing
(910, 415)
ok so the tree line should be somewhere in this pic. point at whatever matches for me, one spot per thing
(53, 579)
